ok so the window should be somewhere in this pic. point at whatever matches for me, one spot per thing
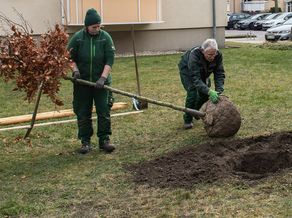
(289, 6)
(112, 11)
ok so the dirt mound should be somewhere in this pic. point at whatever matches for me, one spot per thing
(251, 158)
(222, 119)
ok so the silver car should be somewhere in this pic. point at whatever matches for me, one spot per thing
(259, 24)
(281, 32)
(278, 21)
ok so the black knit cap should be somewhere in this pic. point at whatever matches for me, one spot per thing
(92, 17)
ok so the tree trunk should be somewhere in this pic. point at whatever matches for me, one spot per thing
(276, 6)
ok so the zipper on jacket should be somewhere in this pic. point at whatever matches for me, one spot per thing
(93, 50)
(91, 59)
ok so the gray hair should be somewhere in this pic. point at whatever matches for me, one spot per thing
(208, 44)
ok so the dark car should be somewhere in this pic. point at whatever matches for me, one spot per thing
(249, 22)
(234, 18)
(259, 24)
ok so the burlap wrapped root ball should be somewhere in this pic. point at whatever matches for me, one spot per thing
(222, 119)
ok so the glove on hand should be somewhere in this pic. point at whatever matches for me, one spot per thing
(76, 74)
(100, 83)
(213, 96)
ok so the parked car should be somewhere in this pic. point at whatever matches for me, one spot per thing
(279, 20)
(258, 25)
(281, 32)
(234, 18)
(249, 22)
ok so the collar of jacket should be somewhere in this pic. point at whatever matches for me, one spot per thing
(88, 34)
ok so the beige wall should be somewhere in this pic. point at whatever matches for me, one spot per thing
(235, 6)
(183, 27)
(191, 14)
(41, 14)
(186, 23)
(165, 40)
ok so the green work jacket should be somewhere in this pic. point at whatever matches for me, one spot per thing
(91, 53)
(197, 69)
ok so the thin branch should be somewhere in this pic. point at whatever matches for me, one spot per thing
(10, 23)
(25, 23)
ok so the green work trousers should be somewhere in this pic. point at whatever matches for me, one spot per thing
(194, 98)
(83, 98)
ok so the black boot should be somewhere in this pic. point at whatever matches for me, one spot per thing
(107, 146)
(85, 148)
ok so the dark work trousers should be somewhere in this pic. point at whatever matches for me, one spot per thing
(194, 98)
(83, 98)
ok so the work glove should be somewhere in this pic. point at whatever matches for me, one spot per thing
(213, 96)
(100, 82)
(76, 74)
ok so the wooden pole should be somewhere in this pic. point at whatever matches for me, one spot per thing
(35, 110)
(63, 121)
(51, 115)
(192, 112)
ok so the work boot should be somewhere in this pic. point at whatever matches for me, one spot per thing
(85, 148)
(188, 126)
(107, 147)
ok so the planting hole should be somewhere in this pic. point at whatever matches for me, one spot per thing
(264, 162)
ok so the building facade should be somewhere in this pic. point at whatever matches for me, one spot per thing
(160, 25)
(236, 6)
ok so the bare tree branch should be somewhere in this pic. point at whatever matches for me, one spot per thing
(10, 23)
(25, 23)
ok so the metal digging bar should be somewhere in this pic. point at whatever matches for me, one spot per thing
(138, 105)
(194, 113)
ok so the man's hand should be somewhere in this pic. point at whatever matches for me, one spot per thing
(76, 74)
(213, 96)
(100, 83)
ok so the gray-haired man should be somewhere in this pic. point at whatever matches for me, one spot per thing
(195, 67)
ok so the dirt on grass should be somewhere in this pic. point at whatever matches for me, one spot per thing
(247, 159)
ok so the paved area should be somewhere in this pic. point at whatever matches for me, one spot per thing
(260, 36)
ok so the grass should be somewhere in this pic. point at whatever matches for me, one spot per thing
(47, 178)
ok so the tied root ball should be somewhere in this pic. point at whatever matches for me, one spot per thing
(222, 119)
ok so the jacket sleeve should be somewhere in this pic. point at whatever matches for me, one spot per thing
(219, 75)
(195, 66)
(73, 47)
(109, 50)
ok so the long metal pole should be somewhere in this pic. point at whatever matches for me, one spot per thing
(135, 58)
(194, 113)
(214, 18)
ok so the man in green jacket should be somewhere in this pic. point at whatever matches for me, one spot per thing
(195, 67)
(92, 51)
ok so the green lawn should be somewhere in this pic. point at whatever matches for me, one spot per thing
(47, 178)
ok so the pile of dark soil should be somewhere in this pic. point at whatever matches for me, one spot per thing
(250, 158)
